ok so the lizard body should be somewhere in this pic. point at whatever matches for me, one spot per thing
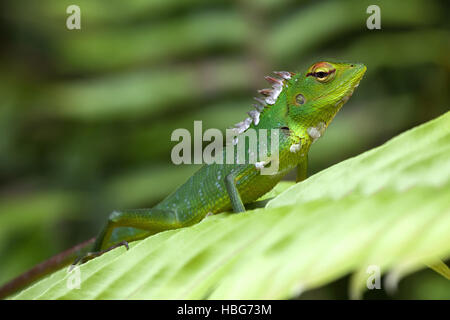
(300, 106)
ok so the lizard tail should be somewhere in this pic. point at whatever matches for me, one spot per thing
(54, 263)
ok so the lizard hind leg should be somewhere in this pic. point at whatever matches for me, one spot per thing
(134, 225)
(93, 254)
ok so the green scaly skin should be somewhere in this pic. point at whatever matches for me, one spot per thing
(300, 105)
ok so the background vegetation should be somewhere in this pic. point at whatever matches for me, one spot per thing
(86, 116)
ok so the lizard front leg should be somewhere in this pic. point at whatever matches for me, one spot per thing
(233, 193)
(302, 169)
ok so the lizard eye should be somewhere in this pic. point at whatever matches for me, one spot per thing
(322, 71)
(321, 75)
(300, 99)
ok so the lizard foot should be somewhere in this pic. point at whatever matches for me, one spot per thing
(95, 254)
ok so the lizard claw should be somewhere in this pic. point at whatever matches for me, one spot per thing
(95, 254)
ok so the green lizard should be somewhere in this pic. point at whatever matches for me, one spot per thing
(300, 105)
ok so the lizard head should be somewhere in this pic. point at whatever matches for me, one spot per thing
(315, 96)
(304, 102)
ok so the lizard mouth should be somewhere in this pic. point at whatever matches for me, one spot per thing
(353, 84)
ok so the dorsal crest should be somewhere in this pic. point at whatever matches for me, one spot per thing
(271, 94)
(269, 97)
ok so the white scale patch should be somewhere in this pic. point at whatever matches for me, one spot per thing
(295, 147)
(260, 165)
(316, 132)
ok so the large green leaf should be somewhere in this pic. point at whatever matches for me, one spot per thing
(387, 208)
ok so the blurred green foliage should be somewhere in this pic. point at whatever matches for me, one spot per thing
(86, 115)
